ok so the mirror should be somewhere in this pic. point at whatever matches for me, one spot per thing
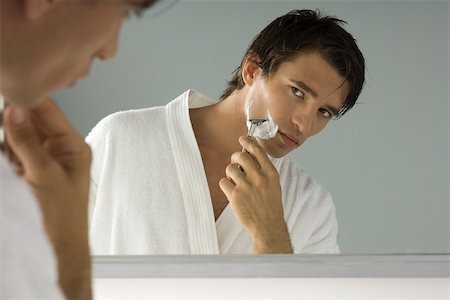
(386, 163)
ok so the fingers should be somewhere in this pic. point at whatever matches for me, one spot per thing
(24, 142)
(42, 138)
(235, 176)
(235, 173)
(257, 152)
(227, 187)
(248, 168)
(15, 162)
(49, 119)
(62, 141)
(246, 162)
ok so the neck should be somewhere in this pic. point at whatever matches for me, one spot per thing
(218, 127)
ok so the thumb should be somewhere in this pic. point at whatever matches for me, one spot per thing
(24, 142)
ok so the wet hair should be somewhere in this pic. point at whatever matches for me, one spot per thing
(301, 31)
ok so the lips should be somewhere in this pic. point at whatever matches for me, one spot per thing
(289, 139)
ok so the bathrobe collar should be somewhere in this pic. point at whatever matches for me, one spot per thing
(205, 236)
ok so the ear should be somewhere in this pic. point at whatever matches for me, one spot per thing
(35, 9)
(250, 69)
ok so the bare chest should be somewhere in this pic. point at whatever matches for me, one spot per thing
(214, 172)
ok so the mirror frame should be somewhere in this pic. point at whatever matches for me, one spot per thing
(273, 266)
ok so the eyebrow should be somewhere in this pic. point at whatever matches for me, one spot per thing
(305, 87)
(308, 89)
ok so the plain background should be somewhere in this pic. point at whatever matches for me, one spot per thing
(386, 162)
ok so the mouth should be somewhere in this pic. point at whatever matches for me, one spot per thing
(289, 139)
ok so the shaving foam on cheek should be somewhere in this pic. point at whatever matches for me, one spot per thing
(267, 130)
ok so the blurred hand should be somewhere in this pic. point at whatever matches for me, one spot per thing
(55, 161)
(253, 188)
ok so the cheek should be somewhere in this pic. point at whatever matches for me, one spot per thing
(320, 125)
(277, 101)
(264, 91)
(62, 70)
(281, 110)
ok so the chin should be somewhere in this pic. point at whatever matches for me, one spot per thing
(26, 98)
(276, 155)
(273, 150)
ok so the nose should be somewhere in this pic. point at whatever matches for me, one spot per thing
(303, 119)
(109, 49)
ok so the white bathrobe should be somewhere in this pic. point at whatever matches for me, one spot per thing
(150, 195)
(28, 266)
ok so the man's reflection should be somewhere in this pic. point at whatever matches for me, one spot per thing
(174, 179)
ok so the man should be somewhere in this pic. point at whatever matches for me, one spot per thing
(47, 44)
(186, 197)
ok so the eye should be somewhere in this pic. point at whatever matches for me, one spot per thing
(297, 92)
(326, 113)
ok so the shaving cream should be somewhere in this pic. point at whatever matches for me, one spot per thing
(266, 130)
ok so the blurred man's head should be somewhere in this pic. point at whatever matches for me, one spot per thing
(47, 44)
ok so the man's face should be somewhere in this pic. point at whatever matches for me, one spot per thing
(302, 96)
(68, 37)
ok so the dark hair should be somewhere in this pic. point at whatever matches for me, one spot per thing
(302, 31)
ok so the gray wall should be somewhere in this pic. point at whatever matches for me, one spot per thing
(386, 163)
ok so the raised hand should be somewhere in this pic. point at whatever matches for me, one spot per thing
(253, 188)
(55, 162)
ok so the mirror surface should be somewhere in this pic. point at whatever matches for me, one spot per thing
(386, 163)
